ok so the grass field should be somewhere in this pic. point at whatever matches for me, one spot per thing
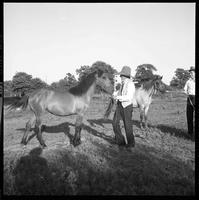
(163, 163)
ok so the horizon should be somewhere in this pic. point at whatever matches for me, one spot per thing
(53, 39)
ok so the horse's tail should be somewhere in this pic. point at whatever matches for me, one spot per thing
(19, 103)
(109, 108)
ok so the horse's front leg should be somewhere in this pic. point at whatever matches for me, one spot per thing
(39, 132)
(146, 120)
(141, 118)
(145, 117)
(27, 130)
(78, 128)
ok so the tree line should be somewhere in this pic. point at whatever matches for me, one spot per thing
(23, 83)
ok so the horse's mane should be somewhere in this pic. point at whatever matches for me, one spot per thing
(83, 86)
(147, 85)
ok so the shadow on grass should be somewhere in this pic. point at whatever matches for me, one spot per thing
(32, 175)
(142, 172)
(163, 128)
(64, 127)
(124, 173)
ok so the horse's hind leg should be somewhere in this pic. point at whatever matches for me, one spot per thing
(27, 130)
(78, 128)
(39, 132)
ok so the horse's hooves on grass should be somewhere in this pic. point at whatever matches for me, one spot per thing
(76, 143)
(43, 146)
(66, 142)
(142, 128)
(105, 117)
(23, 146)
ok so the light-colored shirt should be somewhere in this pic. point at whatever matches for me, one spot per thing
(126, 96)
(189, 87)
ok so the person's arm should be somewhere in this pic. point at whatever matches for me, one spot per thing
(186, 87)
(115, 94)
(129, 95)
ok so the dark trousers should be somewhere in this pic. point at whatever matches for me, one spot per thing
(125, 114)
(189, 113)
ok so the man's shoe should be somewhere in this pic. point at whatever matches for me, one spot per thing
(130, 147)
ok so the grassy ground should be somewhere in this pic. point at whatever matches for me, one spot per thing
(163, 163)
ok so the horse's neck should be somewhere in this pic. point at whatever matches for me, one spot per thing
(151, 91)
(91, 91)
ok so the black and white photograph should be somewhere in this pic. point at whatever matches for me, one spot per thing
(98, 99)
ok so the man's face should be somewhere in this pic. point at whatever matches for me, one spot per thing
(192, 73)
(123, 78)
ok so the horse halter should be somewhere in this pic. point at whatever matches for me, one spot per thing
(155, 88)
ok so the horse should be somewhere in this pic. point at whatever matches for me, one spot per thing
(74, 101)
(143, 96)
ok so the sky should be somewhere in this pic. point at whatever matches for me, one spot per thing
(49, 40)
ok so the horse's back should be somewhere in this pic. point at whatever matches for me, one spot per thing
(58, 102)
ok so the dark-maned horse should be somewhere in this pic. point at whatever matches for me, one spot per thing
(143, 96)
(74, 101)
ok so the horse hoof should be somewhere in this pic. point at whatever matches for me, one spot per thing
(23, 146)
(66, 142)
(76, 143)
(105, 117)
(43, 146)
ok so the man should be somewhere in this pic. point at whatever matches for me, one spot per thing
(124, 109)
(189, 89)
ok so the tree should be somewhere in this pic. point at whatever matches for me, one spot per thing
(61, 85)
(103, 66)
(144, 71)
(70, 80)
(65, 83)
(54, 85)
(83, 71)
(180, 78)
(8, 88)
(21, 82)
(37, 83)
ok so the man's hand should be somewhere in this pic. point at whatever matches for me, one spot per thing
(119, 98)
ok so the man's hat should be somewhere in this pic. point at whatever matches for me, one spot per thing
(126, 71)
(192, 69)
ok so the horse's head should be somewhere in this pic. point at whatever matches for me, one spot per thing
(103, 79)
(158, 84)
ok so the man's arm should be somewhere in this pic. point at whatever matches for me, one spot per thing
(186, 87)
(129, 95)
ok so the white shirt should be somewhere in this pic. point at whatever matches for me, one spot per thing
(189, 87)
(127, 95)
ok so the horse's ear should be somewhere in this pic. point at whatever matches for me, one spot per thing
(158, 77)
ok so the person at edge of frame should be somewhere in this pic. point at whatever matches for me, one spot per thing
(189, 89)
